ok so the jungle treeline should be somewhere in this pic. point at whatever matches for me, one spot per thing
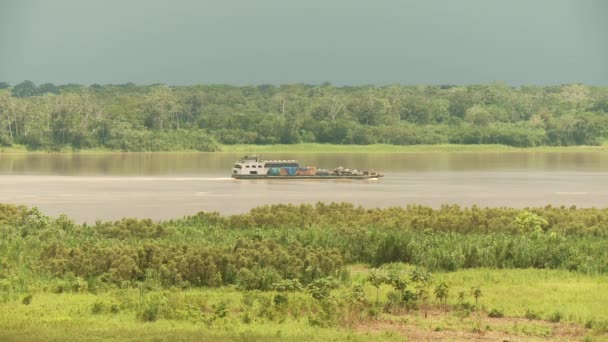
(131, 117)
(287, 243)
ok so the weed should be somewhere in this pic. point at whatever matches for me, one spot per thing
(600, 327)
(246, 319)
(495, 313)
(476, 328)
(149, 313)
(531, 315)
(477, 293)
(555, 317)
(358, 295)
(27, 300)
(314, 321)
(221, 310)
(280, 300)
(98, 308)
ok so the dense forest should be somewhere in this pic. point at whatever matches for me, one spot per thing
(131, 117)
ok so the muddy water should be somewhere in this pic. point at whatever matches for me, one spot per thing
(160, 186)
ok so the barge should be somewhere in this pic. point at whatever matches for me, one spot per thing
(253, 167)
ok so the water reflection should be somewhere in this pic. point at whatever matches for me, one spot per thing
(220, 163)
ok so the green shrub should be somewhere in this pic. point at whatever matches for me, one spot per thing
(495, 313)
(280, 300)
(220, 310)
(531, 315)
(555, 317)
(98, 308)
(149, 313)
(600, 326)
(27, 300)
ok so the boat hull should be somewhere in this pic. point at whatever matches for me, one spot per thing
(305, 177)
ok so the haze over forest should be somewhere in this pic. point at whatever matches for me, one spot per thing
(543, 42)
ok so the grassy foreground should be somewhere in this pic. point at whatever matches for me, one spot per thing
(536, 304)
(308, 273)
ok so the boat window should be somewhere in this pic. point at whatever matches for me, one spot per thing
(281, 164)
(237, 166)
(253, 166)
(247, 166)
(253, 172)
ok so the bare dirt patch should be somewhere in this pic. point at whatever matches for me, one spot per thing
(447, 327)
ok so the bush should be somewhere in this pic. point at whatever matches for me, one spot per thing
(5, 140)
(98, 308)
(555, 317)
(531, 315)
(149, 313)
(220, 310)
(495, 313)
(27, 300)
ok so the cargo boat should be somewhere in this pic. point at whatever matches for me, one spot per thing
(252, 167)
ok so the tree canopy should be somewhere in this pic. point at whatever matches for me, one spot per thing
(159, 117)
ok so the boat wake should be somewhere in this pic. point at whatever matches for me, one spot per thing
(117, 179)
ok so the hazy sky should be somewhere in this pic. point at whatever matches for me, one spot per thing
(344, 42)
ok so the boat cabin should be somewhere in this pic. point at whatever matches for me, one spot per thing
(253, 165)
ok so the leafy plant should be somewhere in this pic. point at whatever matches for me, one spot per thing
(442, 291)
(27, 300)
(555, 317)
(477, 294)
(495, 313)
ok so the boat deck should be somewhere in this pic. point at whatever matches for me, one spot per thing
(305, 177)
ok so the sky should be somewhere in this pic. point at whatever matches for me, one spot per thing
(344, 42)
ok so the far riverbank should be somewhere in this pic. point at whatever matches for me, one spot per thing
(332, 148)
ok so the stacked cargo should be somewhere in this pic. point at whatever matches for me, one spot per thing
(306, 171)
(288, 171)
(322, 172)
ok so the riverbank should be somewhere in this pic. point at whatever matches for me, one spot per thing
(332, 148)
(383, 148)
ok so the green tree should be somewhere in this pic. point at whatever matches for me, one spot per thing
(48, 88)
(25, 89)
(478, 115)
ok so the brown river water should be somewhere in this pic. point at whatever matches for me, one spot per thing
(88, 187)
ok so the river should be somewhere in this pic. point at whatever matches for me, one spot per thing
(88, 187)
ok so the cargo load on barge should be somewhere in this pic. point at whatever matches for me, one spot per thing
(253, 167)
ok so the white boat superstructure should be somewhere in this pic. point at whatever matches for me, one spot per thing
(253, 165)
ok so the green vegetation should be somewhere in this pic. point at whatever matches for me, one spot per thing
(328, 271)
(335, 148)
(384, 148)
(161, 118)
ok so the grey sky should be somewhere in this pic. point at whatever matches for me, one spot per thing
(311, 41)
